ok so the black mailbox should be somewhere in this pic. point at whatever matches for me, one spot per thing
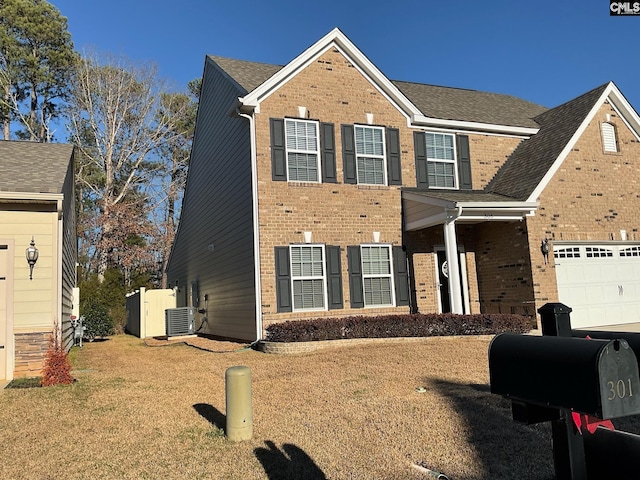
(595, 377)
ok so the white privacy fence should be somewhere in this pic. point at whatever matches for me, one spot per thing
(145, 311)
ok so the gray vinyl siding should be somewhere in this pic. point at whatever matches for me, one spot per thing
(214, 243)
(69, 253)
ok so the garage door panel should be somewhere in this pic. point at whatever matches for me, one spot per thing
(601, 290)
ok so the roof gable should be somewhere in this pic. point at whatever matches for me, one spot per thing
(532, 165)
(334, 39)
(424, 105)
(32, 167)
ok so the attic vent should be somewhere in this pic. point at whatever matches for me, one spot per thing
(179, 321)
(609, 137)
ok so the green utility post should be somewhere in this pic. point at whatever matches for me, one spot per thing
(239, 410)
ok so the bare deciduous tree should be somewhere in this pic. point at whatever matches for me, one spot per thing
(118, 117)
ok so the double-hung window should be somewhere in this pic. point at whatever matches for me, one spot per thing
(377, 275)
(308, 277)
(441, 160)
(370, 155)
(302, 143)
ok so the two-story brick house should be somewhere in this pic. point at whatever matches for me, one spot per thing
(322, 188)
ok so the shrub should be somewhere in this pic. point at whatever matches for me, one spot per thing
(384, 326)
(97, 320)
(57, 367)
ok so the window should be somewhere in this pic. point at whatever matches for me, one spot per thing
(302, 150)
(630, 252)
(597, 252)
(308, 277)
(441, 160)
(569, 252)
(377, 275)
(609, 137)
(370, 158)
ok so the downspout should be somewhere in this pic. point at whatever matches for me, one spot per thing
(58, 255)
(256, 223)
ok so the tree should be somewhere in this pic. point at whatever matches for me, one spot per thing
(36, 60)
(119, 118)
(175, 154)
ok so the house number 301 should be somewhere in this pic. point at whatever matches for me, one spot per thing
(619, 389)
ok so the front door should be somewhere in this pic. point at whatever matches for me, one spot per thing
(443, 275)
(443, 281)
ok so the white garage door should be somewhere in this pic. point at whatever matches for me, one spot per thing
(601, 283)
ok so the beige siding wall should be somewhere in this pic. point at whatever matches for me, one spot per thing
(36, 305)
(592, 196)
(69, 255)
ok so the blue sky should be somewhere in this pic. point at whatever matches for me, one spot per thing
(546, 51)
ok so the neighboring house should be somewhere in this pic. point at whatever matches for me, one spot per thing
(324, 189)
(36, 203)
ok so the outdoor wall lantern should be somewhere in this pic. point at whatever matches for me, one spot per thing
(545, 248)
(32, 257)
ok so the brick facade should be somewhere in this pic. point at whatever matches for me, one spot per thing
(332, 90)
(497, 223)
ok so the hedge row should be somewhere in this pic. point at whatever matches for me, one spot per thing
(415, 325)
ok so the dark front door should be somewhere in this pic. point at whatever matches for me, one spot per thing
(443, 280)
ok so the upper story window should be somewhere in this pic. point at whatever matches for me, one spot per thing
(370, 157)
(302, 145)
(302, 151)
(609, 140)
(441, 160)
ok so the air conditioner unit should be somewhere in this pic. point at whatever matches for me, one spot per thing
(179, 321)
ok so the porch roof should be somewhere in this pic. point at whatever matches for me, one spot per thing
(426, 208)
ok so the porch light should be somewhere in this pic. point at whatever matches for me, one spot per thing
(32, 257)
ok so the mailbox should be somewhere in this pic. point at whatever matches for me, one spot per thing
(595, 377)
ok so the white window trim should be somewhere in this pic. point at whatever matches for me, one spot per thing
(316, 152)
(383, 156)
(390, 275)
(310, 277)
(456, 181)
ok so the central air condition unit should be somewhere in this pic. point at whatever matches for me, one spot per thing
(179, 321)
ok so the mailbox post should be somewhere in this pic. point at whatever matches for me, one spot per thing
(556, 376)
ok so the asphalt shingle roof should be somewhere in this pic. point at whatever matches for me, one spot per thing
(33, 167)
(445, 103)
(527, 165)
(449, 103)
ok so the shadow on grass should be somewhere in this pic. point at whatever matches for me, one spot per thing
(211, 414)
(290, 463)
(505, 449)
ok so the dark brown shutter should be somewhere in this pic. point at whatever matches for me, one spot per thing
(394, 169)
(420, 149)
(278, 152)
(356, 287)
(464, 162)
(349, 154)
(283, 280)
(328, 147)
(401, 276)
(334, 277)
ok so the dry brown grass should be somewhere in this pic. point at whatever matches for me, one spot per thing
(348, 413)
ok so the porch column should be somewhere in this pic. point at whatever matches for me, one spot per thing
(451, 250)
